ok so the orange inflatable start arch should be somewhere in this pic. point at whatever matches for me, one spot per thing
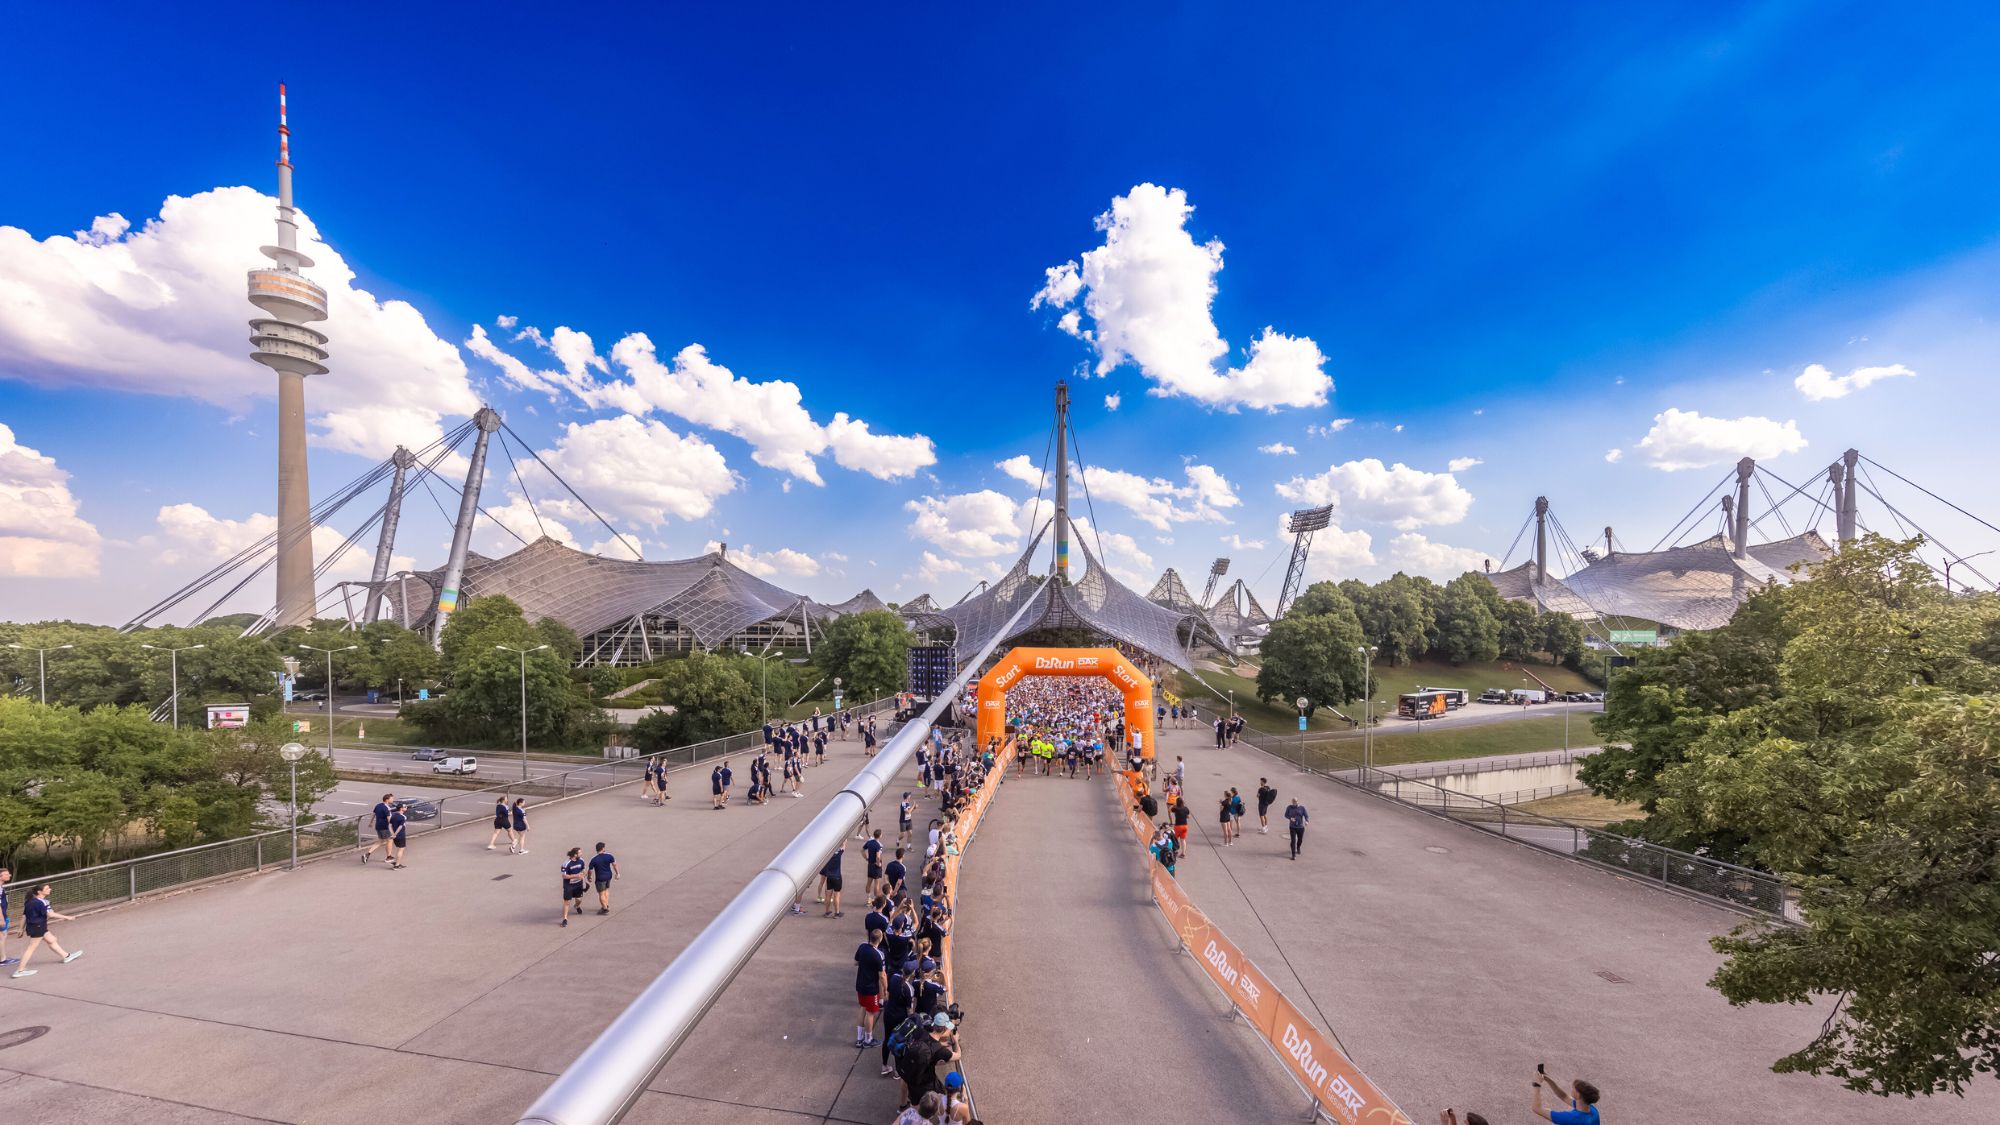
(1106, 663)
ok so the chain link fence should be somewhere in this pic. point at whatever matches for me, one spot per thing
(130, 879)
(1741, 888)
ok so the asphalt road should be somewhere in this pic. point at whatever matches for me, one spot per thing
(498, 766)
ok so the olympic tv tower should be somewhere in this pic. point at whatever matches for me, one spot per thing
(281, 341)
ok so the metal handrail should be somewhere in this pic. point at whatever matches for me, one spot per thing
(255, 851)
(607, 1079)
(1377, 781)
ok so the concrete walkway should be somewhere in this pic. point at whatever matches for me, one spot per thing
(1079, 1006)
(1450, 962)
(446, 992)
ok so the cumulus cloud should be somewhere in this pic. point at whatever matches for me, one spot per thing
(527, 525)
(41, 533)
(160, 310)
(1330, 428)
(1412, 553)
(1113, 401)
(635, 471)
(188, 535)
(969, 525)
(933, 568)
(1120, 552)
(1021, 469)
(1399, 495)
(769, 415)
(1614, 455)
(1149, 292)
(1819, 384)
(1159, 502)
(1238, 543)
(1277, 449)
(1460, 464)
(1336, 552)
(783, 561)
(1686, 439)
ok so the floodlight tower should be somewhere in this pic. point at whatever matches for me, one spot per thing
(1216, 570)
(1303, 523)
(281, 341)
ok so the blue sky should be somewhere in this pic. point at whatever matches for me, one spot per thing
(1516, 238)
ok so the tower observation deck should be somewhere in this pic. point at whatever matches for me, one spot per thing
(281, 341)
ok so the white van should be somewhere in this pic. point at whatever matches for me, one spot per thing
(1527, 695)
(457, 765)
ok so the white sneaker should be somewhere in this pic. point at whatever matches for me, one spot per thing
(73, 955)
(19, 973)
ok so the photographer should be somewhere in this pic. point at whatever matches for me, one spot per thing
(1582, 1107)
(918, 1062)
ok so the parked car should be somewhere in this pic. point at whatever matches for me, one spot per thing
(431, 754)
(457, 765)
(1593, 697)
(417, 808)
(1493, 695)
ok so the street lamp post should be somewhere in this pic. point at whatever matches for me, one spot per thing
(291, 752)
(1367, 653)
(1302, 701)
(836, 695)
(43, 653)
(328, 653)
(1947, 568)
(1232, 706)
(764, 690)
(523, 652)
(174, 666)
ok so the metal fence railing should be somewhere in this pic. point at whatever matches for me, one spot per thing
(129, 879)
(1742, 888)
(1488, 765)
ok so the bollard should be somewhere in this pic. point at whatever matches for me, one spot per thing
(132, 880)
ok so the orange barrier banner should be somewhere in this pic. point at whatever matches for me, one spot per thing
(1341, 1089)
(969, 824)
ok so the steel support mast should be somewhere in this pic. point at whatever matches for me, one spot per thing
(461, 533)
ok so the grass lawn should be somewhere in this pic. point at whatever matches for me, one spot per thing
(1583, 807)
(386, 730)
(1389, 683)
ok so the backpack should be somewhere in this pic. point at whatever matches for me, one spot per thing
(1236, 804)
(1167, 856)
(905, 1033)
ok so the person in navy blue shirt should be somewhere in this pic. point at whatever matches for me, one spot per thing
(724, 778)
(572, 883)
(520, 827)
(831, 873)
(893, 874)
(399, 841)
(1295, 817)
(382, 833)
(603, 869)
(1582, 1107)
(502, 824)
(35, 917)
(870, 981)
(872, 853)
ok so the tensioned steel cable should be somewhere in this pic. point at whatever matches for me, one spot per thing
(1692, 512)
(1028, 517)
(636, 553)
(521, 484)
(1900, 519)
(1774, 509)
(1796, 490)
(1927, 492)
(1083, 476)
(1509, 556)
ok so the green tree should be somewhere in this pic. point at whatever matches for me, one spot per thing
(85, 809)
(1393, 615)
(869, 651)
(1869, 773)
(1521, 630)
(1467, 629)
(1313, 654)
(711, 697)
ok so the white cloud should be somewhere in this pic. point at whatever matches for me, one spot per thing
(972, 524)
(1336, 552)
(189, 536)
(1819, 384)
(1149, 290)
(1277, 449)
(1159, 502)
(770, 415)
(1330, 428)
(882, 456)
(517, 516)
(1412, 553)
(1399, 427)
(784, 560)
(1614, 455)
(1021, 469)
(1238, 543)
(1685, 439)
(1121, 553)
(1398, 494)
(160, 310)
(1460, 464)
(41, 533)
(937, 570)
(1113, 401)
(635, 471)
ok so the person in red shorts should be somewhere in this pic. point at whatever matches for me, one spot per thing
(871, 980)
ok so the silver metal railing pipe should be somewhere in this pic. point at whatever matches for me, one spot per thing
(607, 1079)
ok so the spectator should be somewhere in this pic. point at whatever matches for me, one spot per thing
(870, 980)
(603, 869)
(1265, 796)
(1582, 1104)
(919, 1061)
(1295, 816)
(37, 914)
